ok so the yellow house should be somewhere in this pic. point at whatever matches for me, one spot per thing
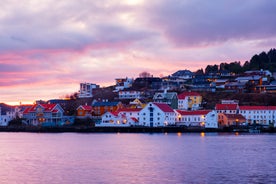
(137, 104)
(189, 101)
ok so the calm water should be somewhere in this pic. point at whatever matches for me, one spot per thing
(137, 158)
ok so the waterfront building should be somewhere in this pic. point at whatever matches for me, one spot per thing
(198, 118)
(84, 111)
(263, 115)
(189, 101)
(123, 117)
(156, 115)
(86, 90)
(169, 98)
(40, 114)
(225, 120)
(4, 119)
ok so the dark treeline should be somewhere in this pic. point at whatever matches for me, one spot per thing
(265, 61)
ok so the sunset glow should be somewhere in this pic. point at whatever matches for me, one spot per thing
(48, 48)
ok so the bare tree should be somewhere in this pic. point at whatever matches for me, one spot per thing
(144, 74)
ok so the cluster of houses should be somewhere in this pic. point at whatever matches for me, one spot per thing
(166, 109)
(161, 108)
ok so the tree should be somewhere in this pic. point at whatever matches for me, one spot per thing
(144, 74)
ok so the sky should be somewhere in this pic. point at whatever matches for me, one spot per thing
(48, 47)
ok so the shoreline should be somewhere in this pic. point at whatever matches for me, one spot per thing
(92, 129)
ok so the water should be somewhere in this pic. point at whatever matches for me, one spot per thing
(137, 158)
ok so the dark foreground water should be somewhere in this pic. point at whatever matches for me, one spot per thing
(137, 158)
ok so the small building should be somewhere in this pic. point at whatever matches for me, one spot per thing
(169, 98)
(86, 90)
(189, 101)
(137, 103)
(157, 115)
(122, 117)
(226, 120)
(99, 108)
(183, 74)
(123, 83)
(199, 118)
(84, 111)
(129, 94)
(5, 119)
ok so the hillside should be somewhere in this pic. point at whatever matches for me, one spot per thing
(211, 99)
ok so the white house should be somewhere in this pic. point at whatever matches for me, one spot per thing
(10, 115)
(86, 90)
(263, 115)
(203, 118)
(123, 83)
(157, 114)
(129, 94)
(122, 117)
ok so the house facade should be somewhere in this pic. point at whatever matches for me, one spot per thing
(99, 108)
(227, 108)
(86, 90)
(189, 101)
(129, 94)
(84, 111)
(122, 117)
(199, 118)
(225, 120)
(42, 114)
(157, 114)
(263, 115)
(169, 98)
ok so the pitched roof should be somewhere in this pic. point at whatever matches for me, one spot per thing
(163, 95)
(129, 110)
(47, 108)
(200, 112)
(186, 94)
(257, 107)
(226, 106)
(164, 107)
(85, 107)
(134, 119)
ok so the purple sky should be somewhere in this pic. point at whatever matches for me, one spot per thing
(48, 47)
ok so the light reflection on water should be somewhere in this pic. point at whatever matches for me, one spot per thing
(137, 158)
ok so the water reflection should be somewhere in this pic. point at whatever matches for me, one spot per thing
(137, 158)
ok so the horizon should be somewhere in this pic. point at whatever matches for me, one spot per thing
(49, 47)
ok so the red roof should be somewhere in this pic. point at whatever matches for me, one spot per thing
(115, 113)
(257, 107)
(86, 107)
(164, 107)
(129, 110)
(186, 94)
(226, 106)
(134, 119)
(201, 112)
(47, 108)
